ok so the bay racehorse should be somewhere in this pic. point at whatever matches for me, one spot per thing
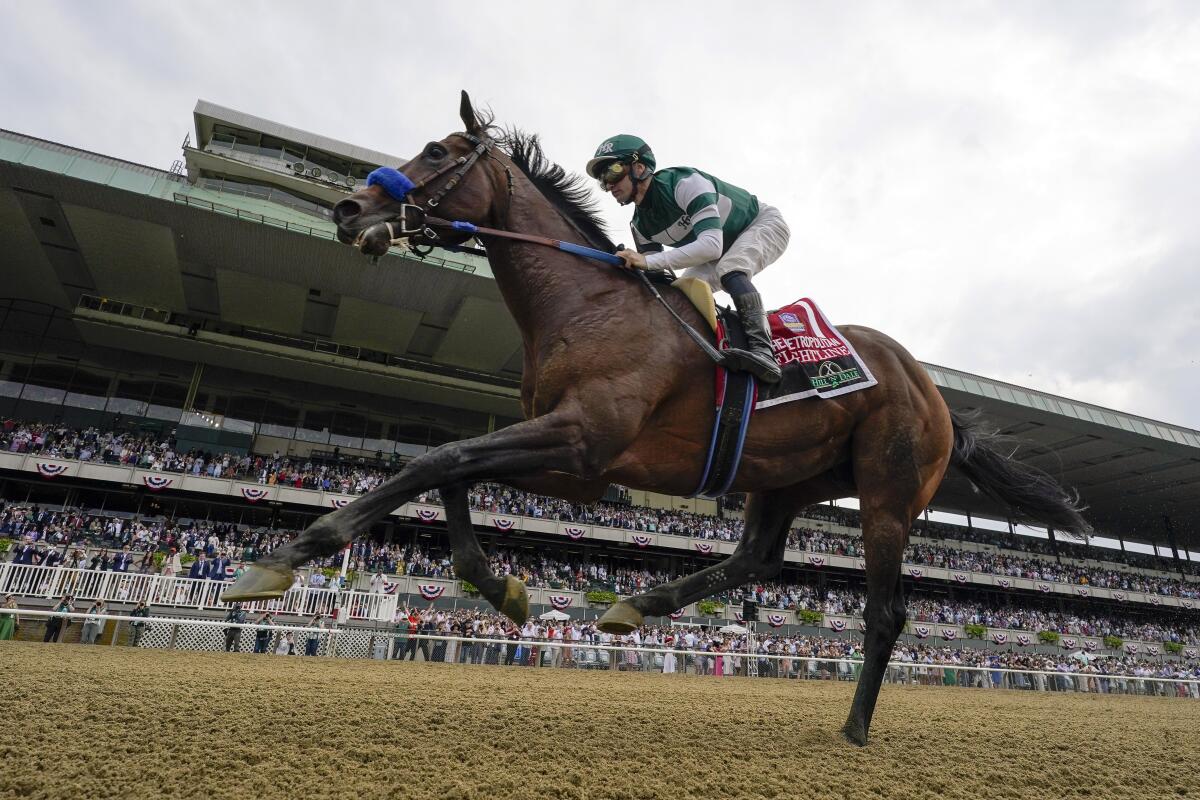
(614, 392)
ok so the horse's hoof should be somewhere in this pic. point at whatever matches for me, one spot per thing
(621, 618)
(855, 735)
(258, 583)
(515, 604)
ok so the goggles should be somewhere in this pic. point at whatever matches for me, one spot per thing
(612, 174)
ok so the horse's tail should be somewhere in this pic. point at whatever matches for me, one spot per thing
(1029, 492)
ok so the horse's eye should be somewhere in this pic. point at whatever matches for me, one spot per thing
(435, 152)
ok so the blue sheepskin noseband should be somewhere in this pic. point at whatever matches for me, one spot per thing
(393, 181)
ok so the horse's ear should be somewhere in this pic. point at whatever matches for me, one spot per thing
(467, 112)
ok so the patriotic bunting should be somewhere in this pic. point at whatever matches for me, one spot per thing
(1067, 642)
(815, 560)
(1003, 583)
(1024, 639)
(1090, 645)
(676, 614)
(1131, 648)
(504, 524)
(704, 547)
(862, 563)
(862, 624)
(427, 514)
(1043, 587)
(50, 470)
(430, 591)
(916, 572)
(960, 577)
(1119, 595)
(559, 601)
(1081, 591)
(156, 483)
(390, 588)
(775, 620)
(254, 494)
(1191, 652)
(641, 540)
(1185, 603)
(838, 625)
(949, 634)
(921, 632)
(1152, 649)
(999, 637)
(574, 533)
(1155, 600)
(339, 502)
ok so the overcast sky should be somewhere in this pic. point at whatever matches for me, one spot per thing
(1010, 189)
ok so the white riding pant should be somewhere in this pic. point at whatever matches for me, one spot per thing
(762, 243)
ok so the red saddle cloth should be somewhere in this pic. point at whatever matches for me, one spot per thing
(816, 359)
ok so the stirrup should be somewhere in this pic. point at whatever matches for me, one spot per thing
(753, 362)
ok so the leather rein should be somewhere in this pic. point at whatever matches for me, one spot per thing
(423, 238)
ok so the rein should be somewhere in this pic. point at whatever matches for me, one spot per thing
(399, 186)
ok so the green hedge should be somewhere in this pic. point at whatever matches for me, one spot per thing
(709, 608)
(1113, 642)
(813, 618)
(1048, 637)
(975, 631)
(469, 588)
(5, 545)
(1173, 647)
(598, 596)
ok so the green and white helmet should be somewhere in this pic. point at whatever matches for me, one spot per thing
(622, 147)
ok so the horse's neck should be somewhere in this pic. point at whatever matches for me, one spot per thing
(545, 288)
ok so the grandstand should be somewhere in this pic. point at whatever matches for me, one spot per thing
(208, 308)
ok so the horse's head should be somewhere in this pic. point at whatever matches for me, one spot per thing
(454, 179)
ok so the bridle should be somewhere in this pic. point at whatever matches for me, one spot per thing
(399, 187)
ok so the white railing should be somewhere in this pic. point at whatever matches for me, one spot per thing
(127, 587)
(352, 642)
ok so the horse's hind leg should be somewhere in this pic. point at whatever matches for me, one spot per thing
(897, 469)
(759, 555)
(508, 594)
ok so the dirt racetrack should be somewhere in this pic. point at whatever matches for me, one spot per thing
(99, 721)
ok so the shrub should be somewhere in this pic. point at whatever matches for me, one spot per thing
(5, 544)
(709, 608)
(974, 631)
(1113, 642)
(159, 558)
(813, 618)
(1173, 647)
(601, 597)
(186, 560)
(1048, 637)
(469, 588)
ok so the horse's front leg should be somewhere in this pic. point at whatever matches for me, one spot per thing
(507, 594)
(556, 442)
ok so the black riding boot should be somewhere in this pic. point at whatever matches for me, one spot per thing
(758, 358)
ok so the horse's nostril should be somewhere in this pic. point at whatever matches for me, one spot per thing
(345, 211)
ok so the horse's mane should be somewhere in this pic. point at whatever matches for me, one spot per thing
(568, 192)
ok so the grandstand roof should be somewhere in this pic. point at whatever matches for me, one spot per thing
(76, 224)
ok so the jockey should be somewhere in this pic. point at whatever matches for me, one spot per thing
(719, 233)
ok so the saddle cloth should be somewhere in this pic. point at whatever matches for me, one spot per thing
(816, 359)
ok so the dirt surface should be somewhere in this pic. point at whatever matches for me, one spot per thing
(84, 722)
